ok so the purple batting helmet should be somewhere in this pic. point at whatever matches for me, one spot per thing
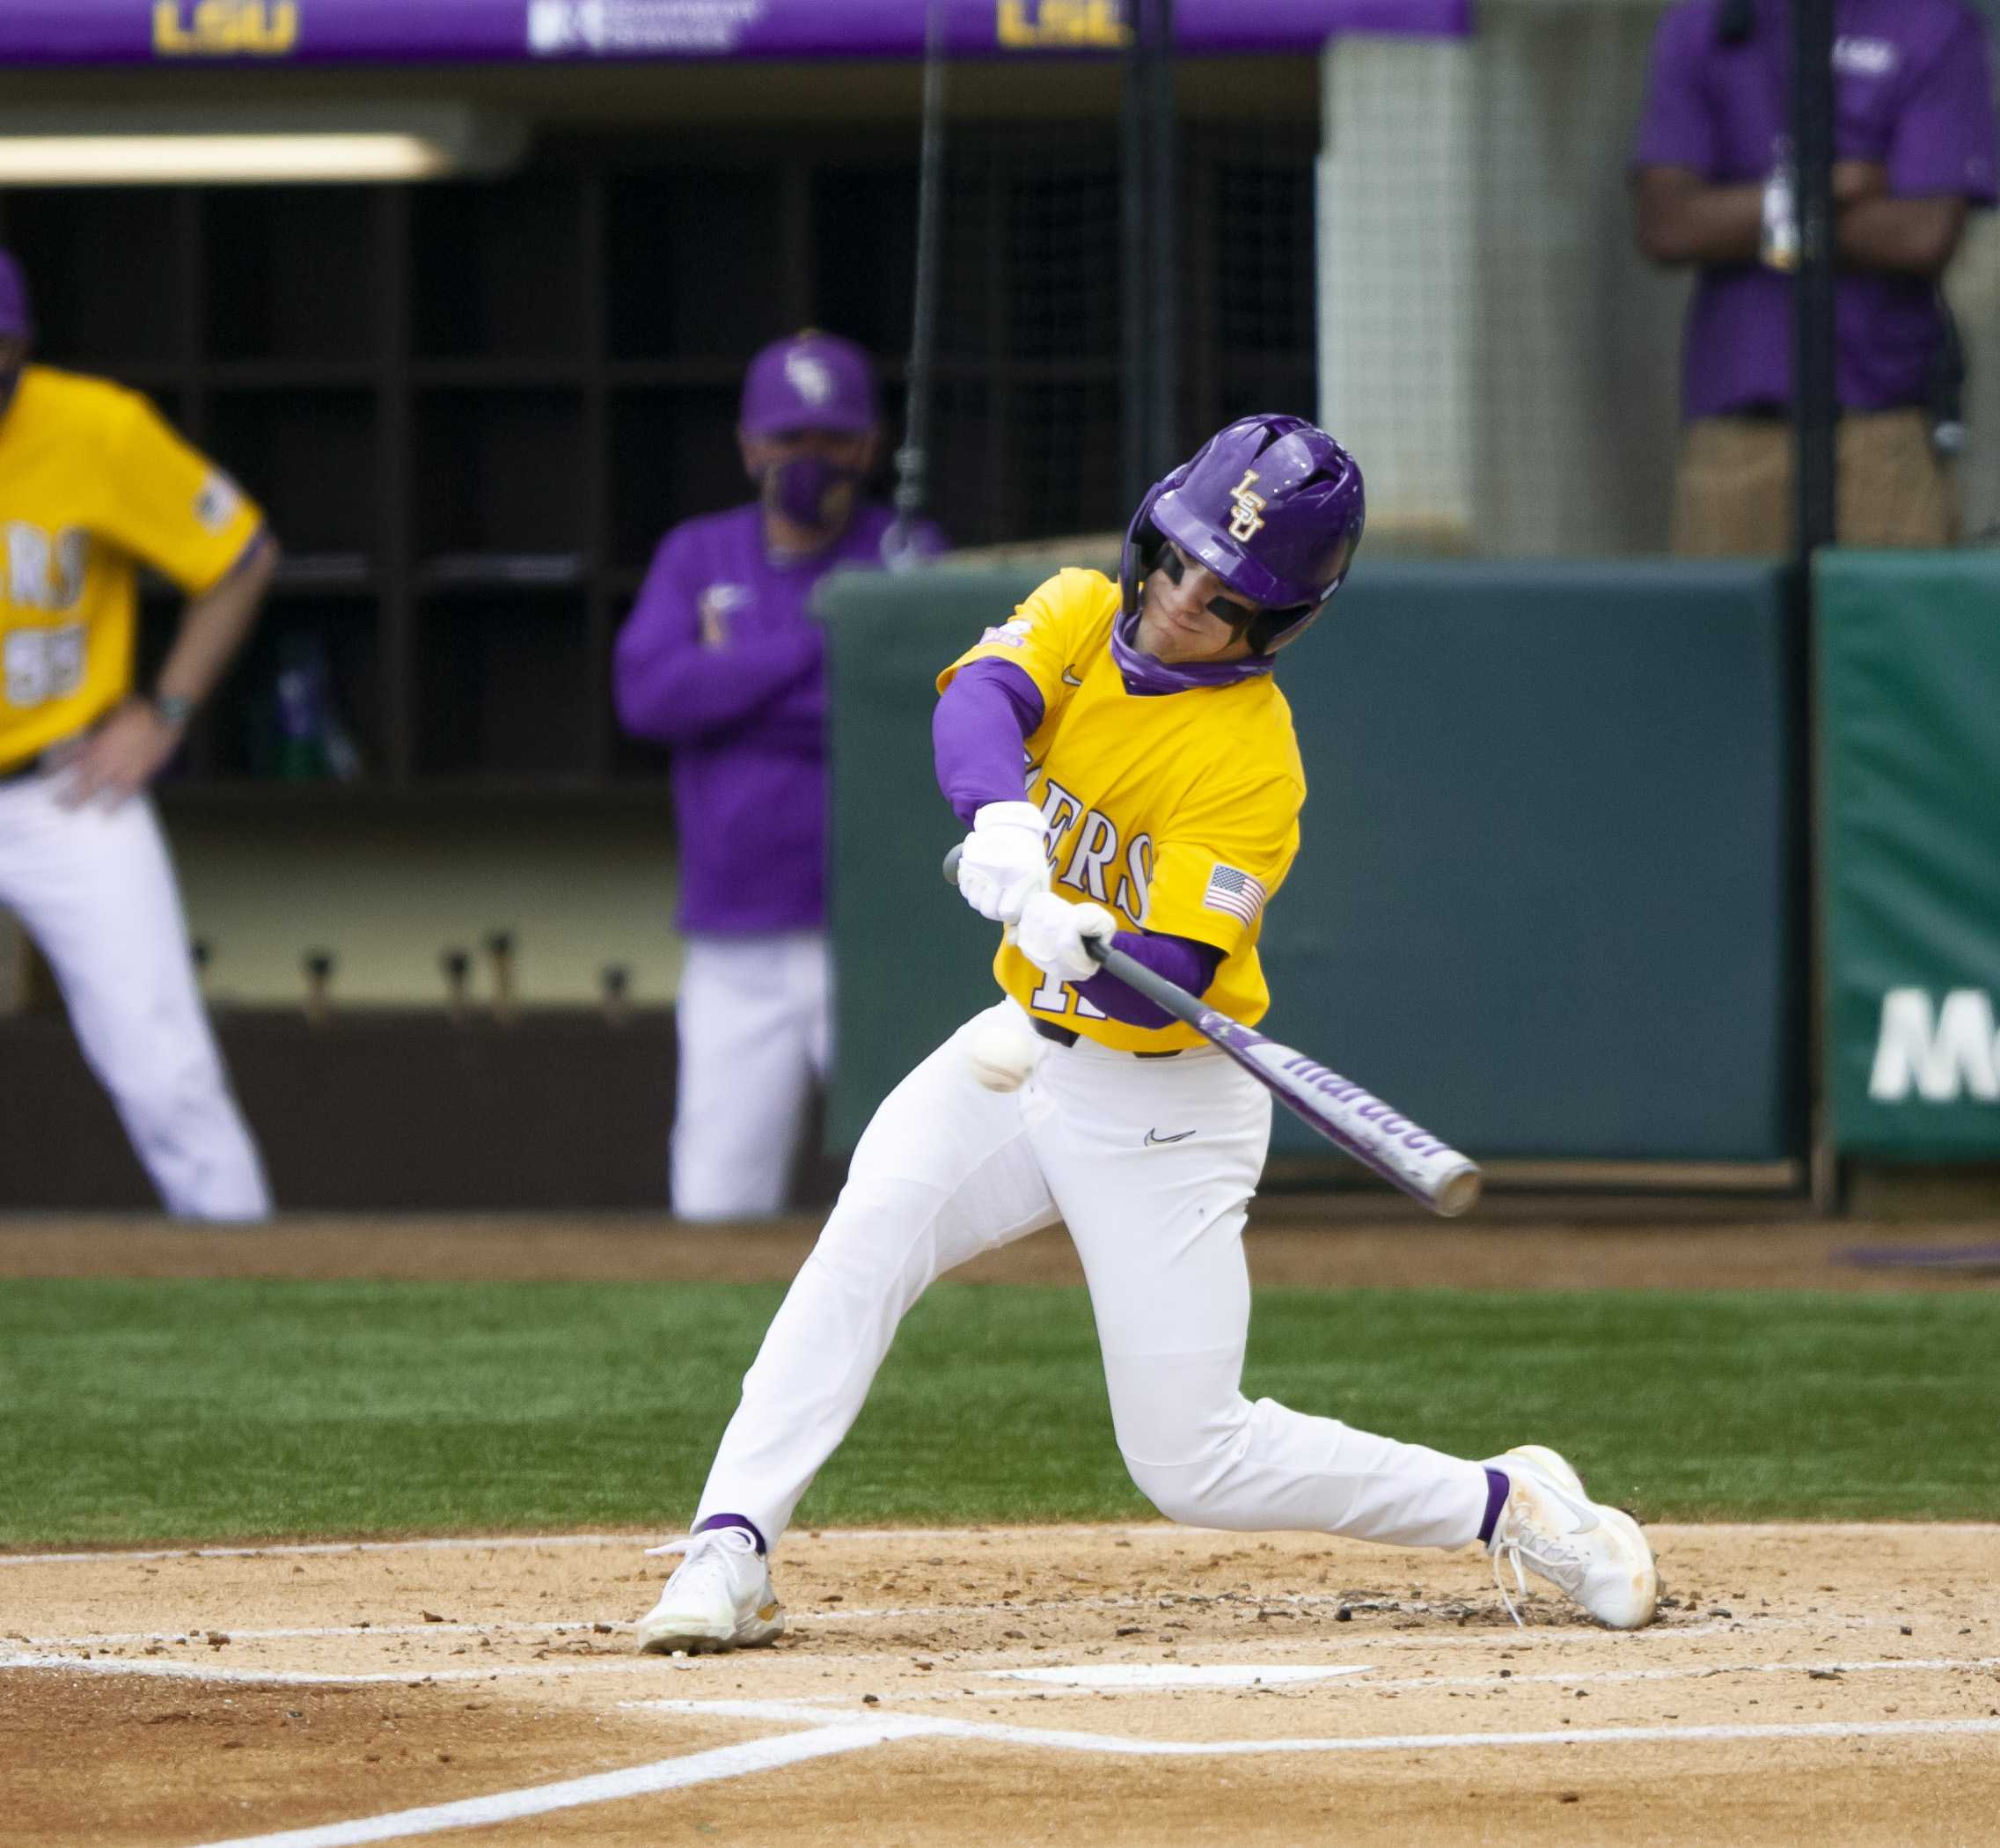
(1272, 505)
(812, 381)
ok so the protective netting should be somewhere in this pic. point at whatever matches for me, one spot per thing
(1492, 342)
(1027, 431)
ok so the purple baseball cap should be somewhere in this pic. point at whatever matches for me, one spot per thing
(812, 381)
(17, 321)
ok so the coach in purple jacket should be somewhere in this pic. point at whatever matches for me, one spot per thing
(720, 660)
(1913, 150)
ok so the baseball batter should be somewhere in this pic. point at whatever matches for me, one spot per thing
(94, 484)
(1159, 808)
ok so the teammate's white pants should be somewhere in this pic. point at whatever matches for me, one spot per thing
(95, 889)
(947, 1170)
(752, 1019)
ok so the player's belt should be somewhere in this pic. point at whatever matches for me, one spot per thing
(1064, 1036)
(19, 772)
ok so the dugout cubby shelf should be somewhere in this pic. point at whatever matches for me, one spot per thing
(472, 409)
(284, 273)
(504, 683)
(499, 271)
(309, 451)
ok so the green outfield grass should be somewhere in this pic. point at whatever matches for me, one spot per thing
(148, 1411)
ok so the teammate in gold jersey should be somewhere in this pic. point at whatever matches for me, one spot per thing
(94, 484)
(1158, 808)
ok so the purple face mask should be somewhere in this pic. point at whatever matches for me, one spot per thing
(806, 490)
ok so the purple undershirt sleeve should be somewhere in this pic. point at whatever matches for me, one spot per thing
(1184, 962)
(978, 728)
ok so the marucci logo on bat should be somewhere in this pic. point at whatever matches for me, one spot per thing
(1308, 1075)
(1336, 1089)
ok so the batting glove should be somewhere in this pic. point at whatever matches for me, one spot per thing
(1052, 934)
(1005, 860)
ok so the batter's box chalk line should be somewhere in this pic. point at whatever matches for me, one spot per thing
(826, 1735)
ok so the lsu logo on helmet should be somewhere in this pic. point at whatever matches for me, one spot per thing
(1248, 521)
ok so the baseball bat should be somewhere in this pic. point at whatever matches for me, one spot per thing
(1354, 1120)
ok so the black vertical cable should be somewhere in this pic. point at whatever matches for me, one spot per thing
(912, 460)
(1815, 408)
(1164, 215)
(1135, 266)
(1814, 387)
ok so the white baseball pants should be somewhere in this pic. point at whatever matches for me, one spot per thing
(947, 1170)
(95, 889)
(752, 1023)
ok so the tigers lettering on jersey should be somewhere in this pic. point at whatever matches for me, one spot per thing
(1148, 798)
(1084, 854)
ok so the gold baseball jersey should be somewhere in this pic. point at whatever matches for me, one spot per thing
(1179, 811)
(92, 484)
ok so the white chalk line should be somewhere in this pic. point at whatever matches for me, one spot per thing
(313, 1677)
(641, 1781)
(1123, 1746)
(133, 1638)
(1321, 1681)
(824, 1738)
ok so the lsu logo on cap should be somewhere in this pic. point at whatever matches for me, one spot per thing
(810, 376)
(1248, 521)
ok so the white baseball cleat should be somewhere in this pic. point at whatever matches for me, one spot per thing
(719, 1597)
(1548, 1526)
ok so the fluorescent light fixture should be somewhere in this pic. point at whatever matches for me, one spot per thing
(220, 147)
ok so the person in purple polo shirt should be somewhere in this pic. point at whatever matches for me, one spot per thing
(1914, 147)
(720, 660)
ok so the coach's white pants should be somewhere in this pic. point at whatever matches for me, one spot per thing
(947, 1170)
(95, 889)
(752, 1021)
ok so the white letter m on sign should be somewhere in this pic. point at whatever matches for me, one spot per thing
(1947, 1058)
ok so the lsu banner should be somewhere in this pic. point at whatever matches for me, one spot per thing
(1908, 647)
(82, 32)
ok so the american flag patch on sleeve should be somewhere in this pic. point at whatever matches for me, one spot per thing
(1235, 892)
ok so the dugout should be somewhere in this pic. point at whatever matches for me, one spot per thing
(471, 405)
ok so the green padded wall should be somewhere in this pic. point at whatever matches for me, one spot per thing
(1909, 654)
(1543, 900)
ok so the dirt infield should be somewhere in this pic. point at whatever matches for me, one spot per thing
(1291, 1243)
(1146, 1685)
(1140, 1685)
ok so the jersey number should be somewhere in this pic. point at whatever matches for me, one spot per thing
(1054, 997)
(44, 664)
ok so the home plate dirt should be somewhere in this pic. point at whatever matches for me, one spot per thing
(1144, 1684)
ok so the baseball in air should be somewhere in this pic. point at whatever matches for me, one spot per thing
(1002, 1056)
